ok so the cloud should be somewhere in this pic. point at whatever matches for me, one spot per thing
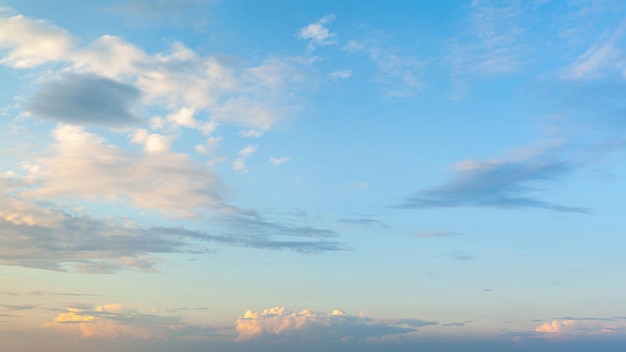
(317, 34)
(341, 74)
(86, 99)
(457, 324)
(496, 184)
(399, 74)
(433, 234)
(363, 222)
(83, 166)
(279, 161)
(255, 97)
(55, 240)
(239, 164)
(495, 41)
(603, 56)
(463, 256)
(281, 323)
(28, 42)
(581, 327)
(112, 321)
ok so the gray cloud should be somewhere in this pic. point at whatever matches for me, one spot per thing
(458, 324)
(416, 323)
(280, 324)
(86, 99)
(364, 222)
(497, 184)
(463, 256)
(433, 234)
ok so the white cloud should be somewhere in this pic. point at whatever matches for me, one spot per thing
(313, 326)
(341, 74)
(318, 34)
(239, 164)
(114, 321)
(278, 161)
(604, 55)
(30, 42)
(153, 142)
(83, 166)
(581, 327)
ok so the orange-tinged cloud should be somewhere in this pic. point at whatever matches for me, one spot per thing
(114, 321)
(581, 327)
(307, 324)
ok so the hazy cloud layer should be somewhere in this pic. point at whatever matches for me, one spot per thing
(86, 99)
(114, 321)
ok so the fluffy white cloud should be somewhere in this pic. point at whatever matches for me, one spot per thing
(581, 327)
(84, 166)
(30, 42)
(309, 325)
(317, 33)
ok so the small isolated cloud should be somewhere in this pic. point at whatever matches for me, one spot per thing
(281, 323)
(317, 34)
(279, 161)
(121, 321)
(582, 327)
(83, 166)
(458, 324)
(342, 74)
(86, 99)
(239, 164)
(496, 184)
(462, 256)
(433, 234)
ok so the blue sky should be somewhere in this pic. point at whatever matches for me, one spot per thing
(323, 175)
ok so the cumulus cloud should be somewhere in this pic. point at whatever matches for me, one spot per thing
(86, 99)
(497, 184)
(317, 34)
(281, 323)
(581, 327)
(83, 166)
(196, 91)
(28, 42)
(120, 321)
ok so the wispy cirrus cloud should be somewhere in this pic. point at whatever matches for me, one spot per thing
(121, 321)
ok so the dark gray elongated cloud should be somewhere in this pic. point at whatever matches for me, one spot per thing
(86, 99)
(498, 184)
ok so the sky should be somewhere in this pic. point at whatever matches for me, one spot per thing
(314, 176)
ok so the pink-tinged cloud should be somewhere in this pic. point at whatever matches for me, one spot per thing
(581, 327)
(281, 323)
(114, 321)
